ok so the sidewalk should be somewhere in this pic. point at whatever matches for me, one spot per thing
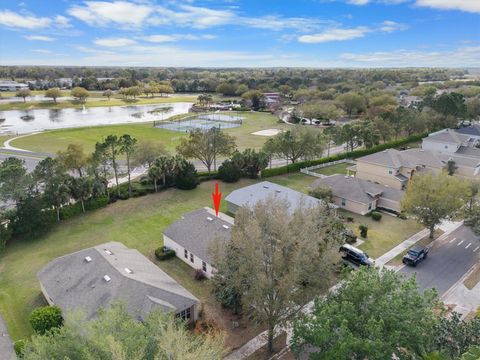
(391, 254)
(6, 345)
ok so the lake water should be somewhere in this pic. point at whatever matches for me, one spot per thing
(203, 122)
(26, 121)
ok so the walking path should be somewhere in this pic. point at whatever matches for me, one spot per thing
(6, 345)
(261, 339)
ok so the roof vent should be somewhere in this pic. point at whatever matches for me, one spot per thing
(128, 271)
(278, 191)
(265, 186)
(209, 218)
(88, 259)
(107, 278)
(226, 227)
(108, 252)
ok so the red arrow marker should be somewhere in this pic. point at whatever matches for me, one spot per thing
(216, 196)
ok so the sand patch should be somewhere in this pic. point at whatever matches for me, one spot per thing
(267, 132)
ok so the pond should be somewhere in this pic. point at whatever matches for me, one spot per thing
(26, 121)
(203, 122)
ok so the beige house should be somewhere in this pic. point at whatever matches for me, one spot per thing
(360, 196)
(395, 168)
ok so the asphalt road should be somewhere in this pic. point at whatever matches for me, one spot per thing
(30, 161)
(447, 261)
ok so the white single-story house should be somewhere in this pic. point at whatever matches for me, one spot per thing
(191, 237)
(96, 277)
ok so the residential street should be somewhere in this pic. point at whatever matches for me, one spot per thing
(448, 260)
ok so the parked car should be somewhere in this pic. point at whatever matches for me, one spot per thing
(356, 256)
(415, 255)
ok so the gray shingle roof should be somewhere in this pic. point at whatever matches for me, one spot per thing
(195, 232)
(358, 190)
(468, 152)
(396, 159)
(473, 130)
(448, 136)
(249, 195)
(74, 283)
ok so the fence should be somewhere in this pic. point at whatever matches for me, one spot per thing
(308, 170)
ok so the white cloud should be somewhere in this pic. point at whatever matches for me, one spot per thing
(461, 57)
(143, 14)
(14, 20)
(42, 51)
(463, 5)
(365, 2)
(358, 2)
(103, 13)
(62, 21)
(160, 38)
(39, 38)
(391, 26)
(114, 42)
(335, 35)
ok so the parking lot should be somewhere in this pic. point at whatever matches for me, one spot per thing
(447, 261)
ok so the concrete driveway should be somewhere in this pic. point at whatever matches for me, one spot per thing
(448, 261)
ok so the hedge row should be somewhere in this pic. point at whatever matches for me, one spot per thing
(69, 211)
(346, 155)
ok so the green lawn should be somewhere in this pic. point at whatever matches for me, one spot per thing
(53, 141)
(383, 235)
(94, 101)
(334, 169)
(138, 223)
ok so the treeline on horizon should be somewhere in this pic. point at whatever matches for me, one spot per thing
(207, 80)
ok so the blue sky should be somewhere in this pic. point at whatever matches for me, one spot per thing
(243, 33)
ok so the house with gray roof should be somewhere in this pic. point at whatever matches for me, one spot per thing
(360, 196)
(250, 195)
(96, 277)
(395, 168)
(446, 141)
(192, 237)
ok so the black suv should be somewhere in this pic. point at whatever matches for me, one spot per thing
(355, 255)
(415, 255)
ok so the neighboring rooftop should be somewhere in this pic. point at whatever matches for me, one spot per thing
(448, 136)
(95, 277)
(472, 130)
(249, 195)
(358, 190)
(197, 229)
(395, 159)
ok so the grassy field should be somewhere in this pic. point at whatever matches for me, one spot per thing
(137, 223)
(52, 141)
(334, 169)
(94, 102)
(383, 235)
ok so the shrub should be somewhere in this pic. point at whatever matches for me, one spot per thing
(96, 203)
(229, 171)
(198, 274)
(45, 318)
(19, 347)
(363, 230)
(377, 216)
(402, 216)
(164, 253)
(321, 192)
(350, 218)
(186, 179)
(350, 237)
